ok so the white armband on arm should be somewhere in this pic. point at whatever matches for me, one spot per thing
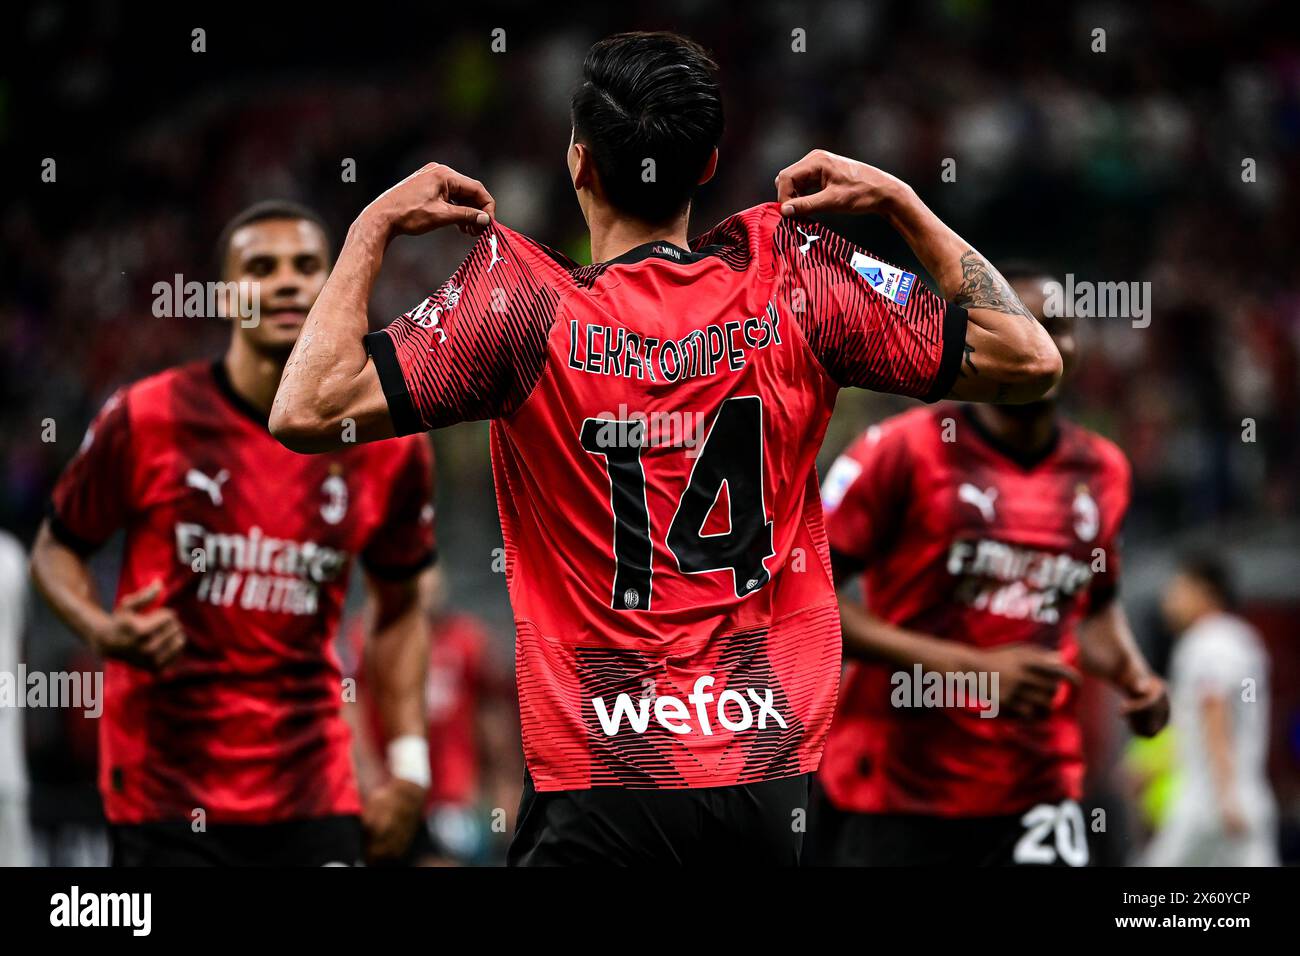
(408, 759)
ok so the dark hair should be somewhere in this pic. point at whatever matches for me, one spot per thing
(648, 96)
(1213, 574)
(261, 212)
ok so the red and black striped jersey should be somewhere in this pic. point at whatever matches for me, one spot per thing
(655, 421)
(962, 539)
(253, 545)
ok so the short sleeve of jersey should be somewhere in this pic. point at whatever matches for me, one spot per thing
(870, 324)
(1105, 583)
(92, 498)
(865, 493)
(475, 348)
(404, 542)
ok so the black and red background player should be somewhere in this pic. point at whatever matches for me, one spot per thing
(988, 539)
(221, 740)
(473, 732)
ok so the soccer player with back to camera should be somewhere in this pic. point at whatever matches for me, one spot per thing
(221, 741)
(987, 539)
(678, 643)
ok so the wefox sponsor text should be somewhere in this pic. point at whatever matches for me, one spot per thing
(731, 711)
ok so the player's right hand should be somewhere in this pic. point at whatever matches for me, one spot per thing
(1028, 677)
(390, 818)
(151, 639)
(431, 197)
(824, 182)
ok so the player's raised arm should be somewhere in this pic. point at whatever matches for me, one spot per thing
(1009, 357)
(329, 378)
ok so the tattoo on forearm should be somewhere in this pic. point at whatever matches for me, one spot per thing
(968, 362)
(982, 287)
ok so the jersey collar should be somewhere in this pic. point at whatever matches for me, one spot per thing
(240, 404)
(658, 249)
(1026, 460)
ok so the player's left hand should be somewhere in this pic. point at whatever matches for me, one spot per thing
(390, 817)
(1146, 703)
(824, 182)
(431, 197)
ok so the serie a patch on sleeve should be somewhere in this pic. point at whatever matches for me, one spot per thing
(890, 281)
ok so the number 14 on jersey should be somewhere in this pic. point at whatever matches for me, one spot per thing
(732, 456)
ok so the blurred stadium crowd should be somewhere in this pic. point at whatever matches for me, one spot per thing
(1124, 165)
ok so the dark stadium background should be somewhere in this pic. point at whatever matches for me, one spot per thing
(1116, 166)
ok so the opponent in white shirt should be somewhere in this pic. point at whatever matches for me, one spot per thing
(1224, 813)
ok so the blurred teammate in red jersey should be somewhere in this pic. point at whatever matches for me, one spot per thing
(472, 733)
(221, 740)
(655, 422)
(987, 537)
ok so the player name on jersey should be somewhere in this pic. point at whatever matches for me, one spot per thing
(606, 350)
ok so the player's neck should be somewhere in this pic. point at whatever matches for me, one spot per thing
(612, 235)
(1204, 613)
(1025, 428)
(253, 375)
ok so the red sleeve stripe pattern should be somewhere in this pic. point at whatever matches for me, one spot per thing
(860, 337)
(475, 348)
(91, 499)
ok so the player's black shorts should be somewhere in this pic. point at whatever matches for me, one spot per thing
(757, 824)
(1045, 835)
(319, 841)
